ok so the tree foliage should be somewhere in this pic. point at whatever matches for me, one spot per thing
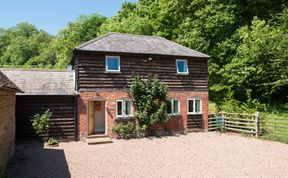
(83, 29)
(25, 45)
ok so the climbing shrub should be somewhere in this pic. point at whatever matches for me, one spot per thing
(41, 122)
(150, 100)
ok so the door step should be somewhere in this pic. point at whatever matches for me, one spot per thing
(97, 136)
(97, 139)
(194, 130)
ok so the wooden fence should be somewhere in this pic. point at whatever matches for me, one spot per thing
(235, 122)
(266, 127)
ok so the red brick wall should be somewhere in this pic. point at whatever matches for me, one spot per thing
(177, 123)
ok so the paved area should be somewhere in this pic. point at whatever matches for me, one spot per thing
(192, 155)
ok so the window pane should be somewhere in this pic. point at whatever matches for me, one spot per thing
(113, 63)
(169, 105)
(175, 106)
(119, 108)
(128, 106)
(197, 106)
(182, 66)
(190, 105)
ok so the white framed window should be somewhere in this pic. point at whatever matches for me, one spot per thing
(194, 105)
(173, 107)
(124, 108)
(112, 63)
(182, 66)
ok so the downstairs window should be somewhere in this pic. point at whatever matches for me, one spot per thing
(124, 108)
(173, 107)
(194, 105)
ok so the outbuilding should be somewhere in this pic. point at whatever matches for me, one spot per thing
(7, 119)
(45, 89)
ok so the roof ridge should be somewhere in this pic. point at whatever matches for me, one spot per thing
(128, 34)
(39, 70)
(184, 47)
(93, 40)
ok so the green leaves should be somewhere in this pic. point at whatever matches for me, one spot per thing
(260, 63)
(150, 98)
(26, 46)
(41, 122)
(83, 29)
(22, 44)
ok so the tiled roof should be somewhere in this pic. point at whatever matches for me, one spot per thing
(7, 85)
(42, 82)
(140, 44)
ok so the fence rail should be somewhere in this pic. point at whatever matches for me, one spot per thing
(244, 123)
(275, 128)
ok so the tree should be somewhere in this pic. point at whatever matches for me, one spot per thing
(83, 29)
(260, 63)
(132, 18)
(21, 45)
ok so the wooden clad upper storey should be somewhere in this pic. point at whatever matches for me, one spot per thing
(109, 62)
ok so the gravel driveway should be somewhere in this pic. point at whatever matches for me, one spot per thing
(192, 155)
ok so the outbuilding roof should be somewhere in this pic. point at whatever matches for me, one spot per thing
(42, 82)
(7, 85)
(139, 44)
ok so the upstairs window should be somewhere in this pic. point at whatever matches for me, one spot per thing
(182, 66)
(173, 107)
(124, 108)
(194, 105)
(112, 63)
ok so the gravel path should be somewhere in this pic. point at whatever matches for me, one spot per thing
(192, 155)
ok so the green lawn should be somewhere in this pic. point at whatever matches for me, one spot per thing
(275, 123)
(212, 107)
(277, 111)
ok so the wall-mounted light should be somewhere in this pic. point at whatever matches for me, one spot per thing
(150, 59)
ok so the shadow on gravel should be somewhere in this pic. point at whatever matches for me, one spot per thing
(33, 160)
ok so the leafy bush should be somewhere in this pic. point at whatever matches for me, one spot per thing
(140, 131)
(150, 99)
(41, 122)
(128, 130)
(249, 106)
(124, 130)
(52, 142)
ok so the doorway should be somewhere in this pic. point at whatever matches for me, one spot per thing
(96, 117)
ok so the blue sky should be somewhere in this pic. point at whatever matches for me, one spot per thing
(54, 15)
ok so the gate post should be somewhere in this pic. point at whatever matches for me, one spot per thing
(257, 124)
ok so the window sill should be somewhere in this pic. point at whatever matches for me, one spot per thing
(178, 114)
(113, 72)
(194, 113)
(182, 73)
(174, 116)
(124, 117)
